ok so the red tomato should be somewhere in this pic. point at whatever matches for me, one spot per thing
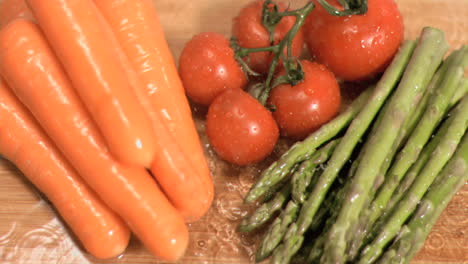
(240, 129)
(250, 33)
(207, 67)
(355, 47)
(301, 109)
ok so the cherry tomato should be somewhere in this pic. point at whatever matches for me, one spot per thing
(240, 129)
(207, 67)
(301, 109)
(355, 47)
(250, 33)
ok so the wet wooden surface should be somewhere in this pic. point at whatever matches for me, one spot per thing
(30, 231)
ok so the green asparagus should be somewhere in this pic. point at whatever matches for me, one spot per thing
(431, 48)
(277, 231)
(294, 244)
(435, 111)
(264, 213)
(347, 144)
(415, 169)
(302, 178)
(457, 128)
(447, 183)
(374, 220)
(321, 223)
(280, 170)
(316, 251)
(419, 164)
(461, 91)
(438, 98)
(281, 228)
(323, 218)
(387, 199)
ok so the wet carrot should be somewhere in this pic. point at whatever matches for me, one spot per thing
(22, 141)
(89, 52)
(11, 9)
(38, 79)
(187, 182)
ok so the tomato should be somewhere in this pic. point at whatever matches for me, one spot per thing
(240, 129)
(250, 33)
(355, 47)
(207, 67)
(301, 109)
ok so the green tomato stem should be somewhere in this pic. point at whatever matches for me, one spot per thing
(269, 19)
(242, 52)
(301, 15)
(350, 7)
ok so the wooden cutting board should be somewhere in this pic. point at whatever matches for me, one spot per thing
(30, 231)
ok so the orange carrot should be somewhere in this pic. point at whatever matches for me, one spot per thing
(23, 142)
(89, 53)
(37, 78)
(11, 9)
(136, 26)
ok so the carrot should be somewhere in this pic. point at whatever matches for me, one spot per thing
(89, 53)
(136, 26)
(102, 233)
(37, 78)
(11, 9)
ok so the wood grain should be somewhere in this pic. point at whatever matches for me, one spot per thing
(30, 231)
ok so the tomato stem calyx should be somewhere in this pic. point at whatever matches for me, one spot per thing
(270, 18)
(291, 71)
(294, 74)
(350, 7)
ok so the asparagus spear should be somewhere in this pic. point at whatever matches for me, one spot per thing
(279, 170)
(434, 84)
(408, 179)
(457, 128)
(316, 251)
(264, 213)
(426, 152)
(347, 144)
(320, 225)
(281, 224)
(376, 221)
(302, 178)
(391, 193)
(323, 220)
(436, 109)
(461, 91)
(372, 220)
(415, 169)
(282, 230)
(425, 60)
(438, 96)
(362, 225)
(302, 255)
(277, 231)
(410, 239)
(446, 185)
